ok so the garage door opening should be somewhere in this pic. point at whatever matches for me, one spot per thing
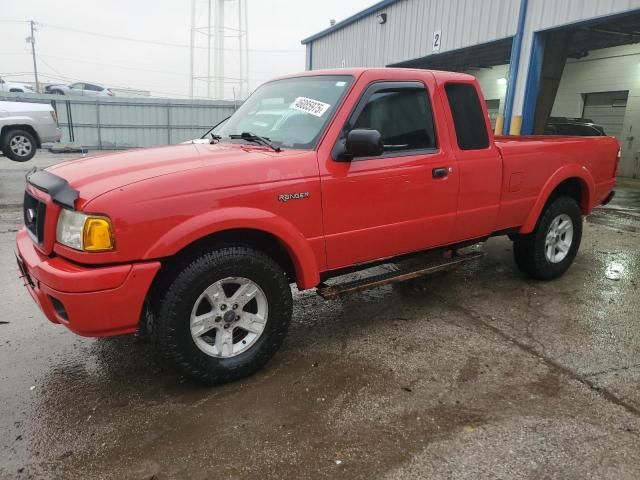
(577, 42)
(606, 109)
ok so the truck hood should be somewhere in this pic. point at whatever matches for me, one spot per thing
(95, 175)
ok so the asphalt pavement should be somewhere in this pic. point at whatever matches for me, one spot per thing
(480, 373)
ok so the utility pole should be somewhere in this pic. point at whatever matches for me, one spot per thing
(32, 40)
(192, 46)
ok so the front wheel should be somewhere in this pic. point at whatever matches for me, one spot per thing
(550, 249)
(224, 315)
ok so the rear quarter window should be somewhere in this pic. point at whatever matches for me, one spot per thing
(468, 117)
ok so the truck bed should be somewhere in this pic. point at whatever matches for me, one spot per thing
(530, 162)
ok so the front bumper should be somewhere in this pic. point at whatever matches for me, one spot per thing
(90, 301)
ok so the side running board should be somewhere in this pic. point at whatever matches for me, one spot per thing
(396, 272)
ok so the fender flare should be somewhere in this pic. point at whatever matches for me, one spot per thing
(216, 221)
(564, 173)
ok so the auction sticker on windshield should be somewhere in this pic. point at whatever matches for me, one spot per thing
(309, 105)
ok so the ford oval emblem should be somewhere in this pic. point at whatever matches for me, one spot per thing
(31, 215)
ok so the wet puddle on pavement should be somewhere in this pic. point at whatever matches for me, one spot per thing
(623, 213)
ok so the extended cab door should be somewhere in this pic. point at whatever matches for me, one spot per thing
(401, 201)
(478, 160)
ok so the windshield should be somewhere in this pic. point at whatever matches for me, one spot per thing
(291, 113)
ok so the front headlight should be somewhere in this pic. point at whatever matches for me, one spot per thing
(89, 233)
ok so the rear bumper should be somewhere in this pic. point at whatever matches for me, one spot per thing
(90, 301)
(604, 192)
(52, 137)
(609, 197)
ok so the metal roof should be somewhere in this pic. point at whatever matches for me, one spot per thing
(348, 21)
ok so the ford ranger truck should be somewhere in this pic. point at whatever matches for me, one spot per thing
(315, 175)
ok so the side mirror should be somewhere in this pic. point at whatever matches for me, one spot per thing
(364, 143)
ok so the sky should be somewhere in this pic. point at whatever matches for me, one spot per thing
(67, 51)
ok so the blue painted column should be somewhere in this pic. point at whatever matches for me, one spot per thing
(532, 89)
(514, 62)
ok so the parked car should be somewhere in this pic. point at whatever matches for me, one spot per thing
(24, 127)
(197, 244)
(79, 88)
(581, 127)
(6, 87)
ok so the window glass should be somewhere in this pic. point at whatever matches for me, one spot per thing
(403, 118)
(291, 112)
(471, 129)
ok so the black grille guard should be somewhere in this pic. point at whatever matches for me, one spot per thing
(54, 185)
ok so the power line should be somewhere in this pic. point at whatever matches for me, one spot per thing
(111, 65)
(91, 62)
(155, 42)
(48, 65)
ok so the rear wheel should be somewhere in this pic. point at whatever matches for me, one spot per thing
(18, 145)
(225, 315)
(549, 251)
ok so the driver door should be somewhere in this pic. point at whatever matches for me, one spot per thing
(398, 202)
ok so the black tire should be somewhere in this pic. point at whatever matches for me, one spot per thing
(529, 250)
(171, 330)
(16, 156)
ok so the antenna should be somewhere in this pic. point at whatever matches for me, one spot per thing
(219, 53)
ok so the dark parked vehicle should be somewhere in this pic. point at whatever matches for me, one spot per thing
(581, 127)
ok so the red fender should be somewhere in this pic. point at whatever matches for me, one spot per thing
(564, 173)
(216, 221)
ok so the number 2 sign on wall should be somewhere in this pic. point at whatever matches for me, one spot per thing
(437, 39)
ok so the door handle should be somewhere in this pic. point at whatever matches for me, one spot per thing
(440, 172)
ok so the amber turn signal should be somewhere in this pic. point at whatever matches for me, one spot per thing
(97, 235)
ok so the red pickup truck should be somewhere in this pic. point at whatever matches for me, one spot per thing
(315, 175)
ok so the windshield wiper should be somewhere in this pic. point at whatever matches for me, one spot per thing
(215, 138)
(252, 137)
(215, 126)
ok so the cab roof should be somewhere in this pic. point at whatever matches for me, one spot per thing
(384, 72)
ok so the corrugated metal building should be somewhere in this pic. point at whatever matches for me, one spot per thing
(533, 58)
